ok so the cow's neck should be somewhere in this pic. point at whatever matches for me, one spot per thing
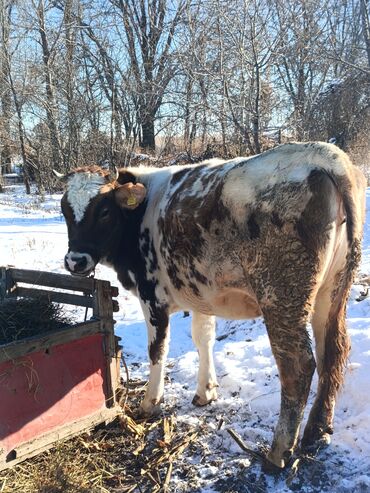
(126, 256)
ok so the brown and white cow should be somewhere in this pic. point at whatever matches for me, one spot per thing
(276, 235)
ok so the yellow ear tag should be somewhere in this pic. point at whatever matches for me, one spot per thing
(131, 200)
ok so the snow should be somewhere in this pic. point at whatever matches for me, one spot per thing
(33, 235)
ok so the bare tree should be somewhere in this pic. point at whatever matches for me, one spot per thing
(149, 33)
(300, 67)
(50, 103)
(8, 81)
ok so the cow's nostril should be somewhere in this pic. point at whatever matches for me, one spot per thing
(80, 262)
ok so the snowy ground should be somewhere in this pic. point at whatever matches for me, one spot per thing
(33, 235)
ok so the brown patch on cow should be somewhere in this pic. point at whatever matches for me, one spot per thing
(198, 276)
(276, 220)
(253, 227)
(346, 189)
(148, 251)
(194, 288)
(159, 320)
(181, 229)
(173, 274)
(94, 169)
(179, 175)
(125, 176)
(315, 223)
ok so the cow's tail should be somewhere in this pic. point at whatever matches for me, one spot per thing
(329, 321)
(351, 187)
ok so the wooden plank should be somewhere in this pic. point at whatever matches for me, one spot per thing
(2, 283)
(103, 310)
(57, 296)
(45, 442)
(51, 279)
(23, 347)
(7, 284)
(115, 368)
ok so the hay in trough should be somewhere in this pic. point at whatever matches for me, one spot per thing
(26, 317)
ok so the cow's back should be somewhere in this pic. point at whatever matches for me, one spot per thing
(216, 226)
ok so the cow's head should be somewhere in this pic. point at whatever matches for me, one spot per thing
(93, 206)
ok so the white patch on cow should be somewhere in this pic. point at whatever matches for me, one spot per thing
(154, 392)
(82, 187)
(238, 188)
(203, 335)
(161, 294)
(289, 163)
(71, 263)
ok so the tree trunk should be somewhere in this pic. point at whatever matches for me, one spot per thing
(71, 155)
(189, 85)
(5, 101)
(148, 136)
(256, 116)
(49, 89)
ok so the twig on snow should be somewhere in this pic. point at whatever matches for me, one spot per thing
(242, 445)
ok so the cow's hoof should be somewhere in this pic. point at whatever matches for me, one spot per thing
(314, 442)
(276, 461)
(208, 396)
(270, 468)
(150, 409)
(316, 436)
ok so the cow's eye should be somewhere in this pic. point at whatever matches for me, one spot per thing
(104, 213)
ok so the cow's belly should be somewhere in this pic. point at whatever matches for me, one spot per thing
(234, 304)
(229, 303)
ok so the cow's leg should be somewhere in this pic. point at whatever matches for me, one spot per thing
(291, 346)
(332, 347)
(203, 334)
(157, 321)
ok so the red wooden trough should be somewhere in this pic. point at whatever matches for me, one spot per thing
(61, 383)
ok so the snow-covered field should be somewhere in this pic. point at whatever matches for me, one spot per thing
(33, 235)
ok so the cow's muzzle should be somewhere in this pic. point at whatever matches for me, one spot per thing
(79, 264)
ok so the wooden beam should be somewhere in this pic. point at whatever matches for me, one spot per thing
(53, 280)
(23, 347)
(48, 440)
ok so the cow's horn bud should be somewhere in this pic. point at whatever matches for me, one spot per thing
(60, 176)
(114, 174)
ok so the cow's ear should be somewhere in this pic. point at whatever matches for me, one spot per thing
(130, 195)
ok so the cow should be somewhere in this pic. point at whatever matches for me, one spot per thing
(276, 235)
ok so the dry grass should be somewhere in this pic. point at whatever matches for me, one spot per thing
(26, 317)
(126, 456)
